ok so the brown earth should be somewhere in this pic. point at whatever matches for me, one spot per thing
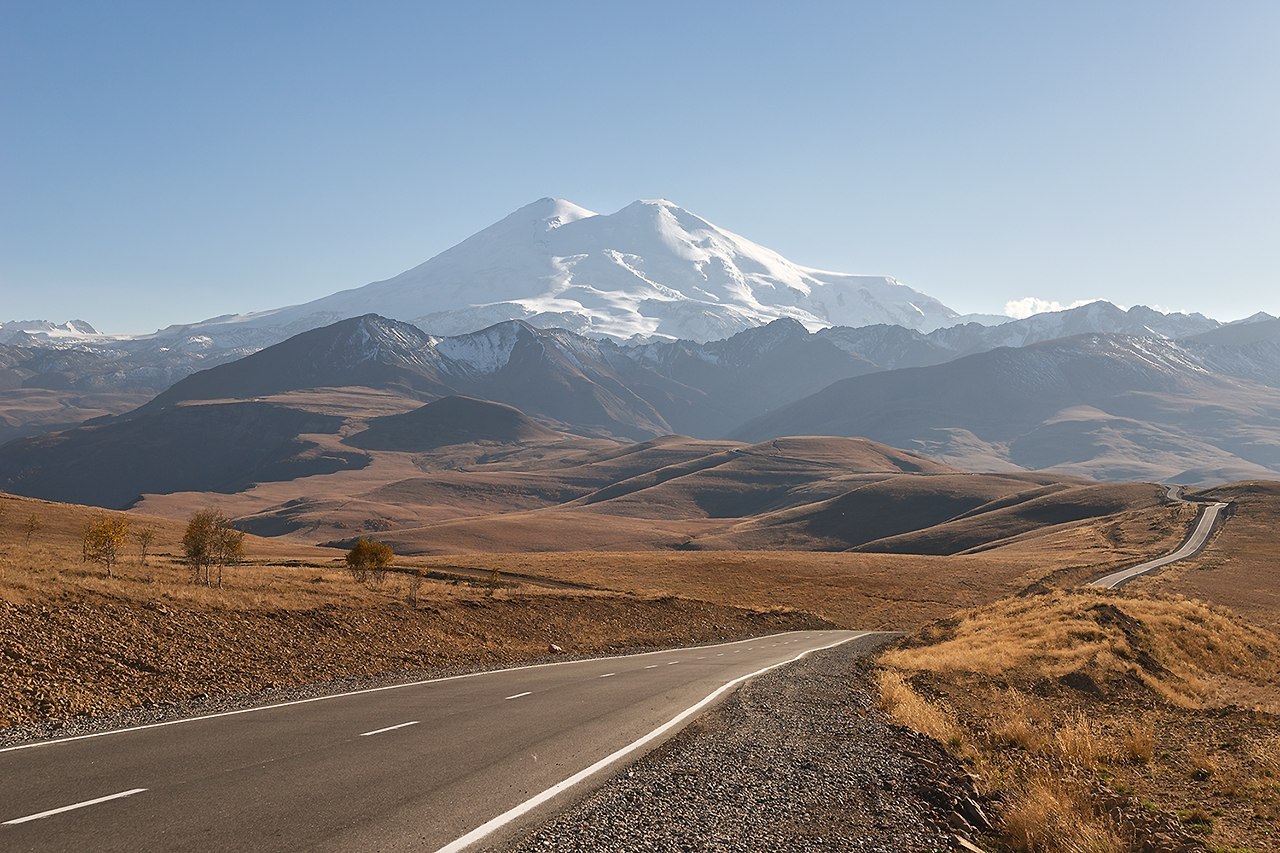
(1103, 720)
(97, 655)
(1241, 567)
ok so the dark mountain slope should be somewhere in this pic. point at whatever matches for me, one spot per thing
(218, 448)
(451, 420)
(1110, 407)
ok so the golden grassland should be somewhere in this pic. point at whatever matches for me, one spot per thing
(78, 641)
(1099, 720)
(853, 589)
(74, 641)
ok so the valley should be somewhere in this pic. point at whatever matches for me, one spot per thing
(600, 466)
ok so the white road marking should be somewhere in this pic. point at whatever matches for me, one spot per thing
(720, 655)
(538, 799)
(607, 675)
(363, 692)
(652, 666)
(1197, 540)
(672, 662)
(390, 728)
(518, 695)
(73, 807)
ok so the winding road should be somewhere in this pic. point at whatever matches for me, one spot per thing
(431, 765)
(1205, 524)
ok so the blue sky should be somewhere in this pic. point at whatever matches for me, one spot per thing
(167, 162)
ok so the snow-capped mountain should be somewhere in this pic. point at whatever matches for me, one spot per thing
(650, 269)
(47, 332)
(894, 346)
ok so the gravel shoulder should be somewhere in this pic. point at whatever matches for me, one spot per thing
(798, 759)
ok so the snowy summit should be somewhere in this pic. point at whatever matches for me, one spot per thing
(650, 269)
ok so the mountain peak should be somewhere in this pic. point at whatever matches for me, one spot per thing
(651, 269)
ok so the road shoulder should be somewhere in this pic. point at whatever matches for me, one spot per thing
(798, 759)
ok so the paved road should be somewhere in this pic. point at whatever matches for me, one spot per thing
(424, 766)
(1194, 545)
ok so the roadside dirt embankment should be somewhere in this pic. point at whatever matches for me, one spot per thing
(61, 659)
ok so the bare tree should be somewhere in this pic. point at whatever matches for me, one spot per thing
(210, 541)
(145, 536)
(31, 526)
(104, 539)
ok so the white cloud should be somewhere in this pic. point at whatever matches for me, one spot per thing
(1020, 309)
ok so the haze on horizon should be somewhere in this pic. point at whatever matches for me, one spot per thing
(167, 164)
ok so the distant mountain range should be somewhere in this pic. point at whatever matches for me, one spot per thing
(1203, 409)
(646, 322)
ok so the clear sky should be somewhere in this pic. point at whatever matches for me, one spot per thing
(170, 161)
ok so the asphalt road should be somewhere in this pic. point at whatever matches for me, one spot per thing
(1194, 545)
(424, 766)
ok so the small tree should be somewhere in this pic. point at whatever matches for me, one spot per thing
(145, 536)
(210, 541)
(367, 556)
(103, 540)
(31, 526)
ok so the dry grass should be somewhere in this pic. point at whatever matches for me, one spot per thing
(1190, 653)
(1138, 742)
(908, 708)
(1053, 815)
(1079, 742)
(1112, 694)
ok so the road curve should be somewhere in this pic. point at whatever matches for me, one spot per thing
(1195, 543)
(432, 765)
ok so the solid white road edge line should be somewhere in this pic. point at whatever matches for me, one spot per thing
(367, 690)
(518, 695)
(533, 802)
(72, 807)
(389, 728)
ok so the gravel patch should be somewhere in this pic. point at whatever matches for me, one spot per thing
(798, 759)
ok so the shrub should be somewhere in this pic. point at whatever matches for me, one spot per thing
(368, 558)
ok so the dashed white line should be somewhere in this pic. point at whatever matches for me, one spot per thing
(672, 662)
(652, 666)
(607, 675)
(73, 807)
(389, 728)
(518, 695)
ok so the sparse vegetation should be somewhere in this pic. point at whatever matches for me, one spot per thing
(104, 539)
(210, 541)
(910, 709)
(369, 560)
(1098, 719)
(30, 527)
(1048, 814)
(145, 537)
